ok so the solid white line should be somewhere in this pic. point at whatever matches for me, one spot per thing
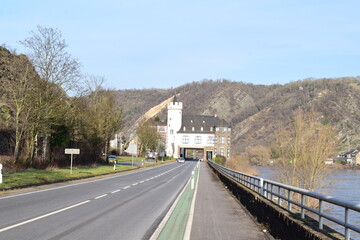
(126, 187)
(192, 209)
(116, 191)
(43, 216)
(101, 196)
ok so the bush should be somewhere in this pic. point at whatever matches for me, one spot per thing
(220, 160)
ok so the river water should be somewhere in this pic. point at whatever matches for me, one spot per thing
(343, 184)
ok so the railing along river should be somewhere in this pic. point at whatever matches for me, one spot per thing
(284, 195)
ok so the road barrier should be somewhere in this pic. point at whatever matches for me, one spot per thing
(286, 196)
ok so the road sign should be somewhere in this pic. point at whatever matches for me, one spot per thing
(132, 149)
(72, 151)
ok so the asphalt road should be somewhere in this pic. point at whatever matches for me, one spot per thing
(127, 206)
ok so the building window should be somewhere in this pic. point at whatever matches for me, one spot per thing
(198, 139)
(210, 140)
(171, 131)
(193, 129)
(228, 153)
(185, 139)
(222, 140)
(191, 121)
(211, 129)
(215, 140)
(229, 129)
(217, 129)
(225, 129)
(229, 140)
(215, 151)
(222, 152)
(201, 129)
(184, 128)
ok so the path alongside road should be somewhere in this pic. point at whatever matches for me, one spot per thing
(218, 215)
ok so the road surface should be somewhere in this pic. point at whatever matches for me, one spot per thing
(126, 206)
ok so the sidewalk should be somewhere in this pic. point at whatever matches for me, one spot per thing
(218, 215)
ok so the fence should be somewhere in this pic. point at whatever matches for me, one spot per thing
(283, 195)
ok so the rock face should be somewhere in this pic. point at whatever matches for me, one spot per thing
(257, 112)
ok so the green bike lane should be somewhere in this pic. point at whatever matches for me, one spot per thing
(176, 222)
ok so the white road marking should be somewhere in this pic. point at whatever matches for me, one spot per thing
(116, 191)
(141, 182)
(134, 184)
(147, 180)
(104, 195)
(126, 187)
(43, 216)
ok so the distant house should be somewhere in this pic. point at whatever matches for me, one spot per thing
(192, 136)
(329, 161)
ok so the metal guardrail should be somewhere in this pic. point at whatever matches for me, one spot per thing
(283, 195)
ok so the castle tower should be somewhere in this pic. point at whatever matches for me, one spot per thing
(174, 116)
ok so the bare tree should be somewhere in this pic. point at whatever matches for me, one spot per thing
(303, 149)
(47, 52)
(148, 136)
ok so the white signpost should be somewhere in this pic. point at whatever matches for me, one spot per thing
(72, 151)
(0, 173)
(133, 151)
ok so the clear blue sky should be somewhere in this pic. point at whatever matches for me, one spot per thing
(164, 43)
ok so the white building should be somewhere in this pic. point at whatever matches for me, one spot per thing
(193, 136)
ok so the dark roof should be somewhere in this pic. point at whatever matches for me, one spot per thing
(198, 121)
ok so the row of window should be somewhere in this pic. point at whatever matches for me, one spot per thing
(222, 152)
(210, 140)
(211, 129)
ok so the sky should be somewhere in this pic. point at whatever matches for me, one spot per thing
(138, 44)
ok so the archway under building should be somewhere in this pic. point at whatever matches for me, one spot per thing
(193, 153)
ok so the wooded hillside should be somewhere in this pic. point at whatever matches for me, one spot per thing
(257, 112)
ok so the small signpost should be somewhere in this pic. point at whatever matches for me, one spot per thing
(133, 151)
(72, 151)
(0, 173)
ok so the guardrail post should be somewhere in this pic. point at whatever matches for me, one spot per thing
(321, 219)
(347, 230)
(0, 173)
(261, 186)
(279, 191)
(302, 206)
(289, 198)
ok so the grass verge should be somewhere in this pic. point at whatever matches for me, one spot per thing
(32, 177)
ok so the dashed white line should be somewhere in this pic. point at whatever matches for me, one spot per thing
(134, 184)
(141, 182)
(104, 195)
(43, 216)
(126, 187)
(147, 180)
(116, 191)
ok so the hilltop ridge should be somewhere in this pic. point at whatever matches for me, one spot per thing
(257, 112)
